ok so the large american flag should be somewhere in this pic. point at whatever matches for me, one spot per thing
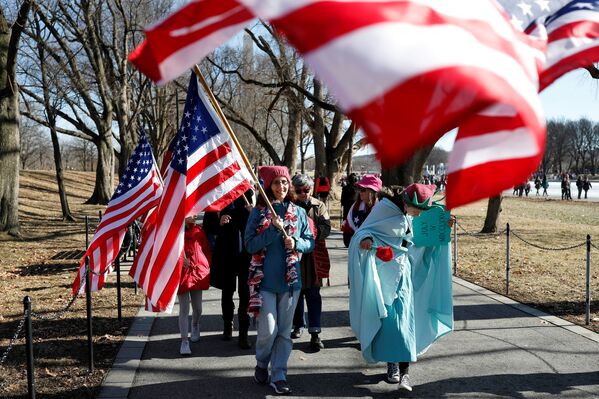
(138, 191)
(409, 71)
(206, 173)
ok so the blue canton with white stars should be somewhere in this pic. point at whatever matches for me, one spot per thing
(197, 127)
(524, 12)
(139, 165)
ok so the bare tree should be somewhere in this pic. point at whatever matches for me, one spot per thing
(9, 115)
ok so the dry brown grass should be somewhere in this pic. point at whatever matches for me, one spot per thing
(26, 268)
(551, 280)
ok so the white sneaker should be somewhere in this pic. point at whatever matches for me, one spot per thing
(195, 333)
(405, 383)
(185, 349)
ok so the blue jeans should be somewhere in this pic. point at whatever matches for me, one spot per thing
(314, 304)
(273, 343)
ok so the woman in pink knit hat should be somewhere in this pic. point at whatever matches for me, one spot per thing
(274, 275)
(367, 188)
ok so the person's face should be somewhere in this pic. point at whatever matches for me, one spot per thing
(412, 211)
(190, 221)
(280, 187)
(303, 192)
(366, 194)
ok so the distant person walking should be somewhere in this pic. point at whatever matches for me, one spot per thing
(195, 278)
(348, 194)
(322, 188)
(537, 185)
(586, 185)
(367, 188)
(579, 185)
(545, 185)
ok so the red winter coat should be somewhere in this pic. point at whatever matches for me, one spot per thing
(196, 276)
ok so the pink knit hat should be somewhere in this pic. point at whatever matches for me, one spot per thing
(269, 173)
(370, 181)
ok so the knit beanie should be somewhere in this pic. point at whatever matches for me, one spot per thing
(269, 173)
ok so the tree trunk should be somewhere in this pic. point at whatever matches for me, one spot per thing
(293, 137)
(9, 165)
(493, 211)
(10, 144)
(409, 172)
(64, 204)
(104, 173)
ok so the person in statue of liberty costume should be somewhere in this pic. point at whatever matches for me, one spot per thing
(400, 295)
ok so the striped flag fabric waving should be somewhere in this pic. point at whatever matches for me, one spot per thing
(175, 44)
(138, 191)
(206, 173)
(407, 71)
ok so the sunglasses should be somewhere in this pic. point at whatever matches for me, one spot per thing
(302, 190)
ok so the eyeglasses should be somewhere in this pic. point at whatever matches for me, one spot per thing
(302, 190)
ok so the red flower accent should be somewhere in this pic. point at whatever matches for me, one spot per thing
(384, 253)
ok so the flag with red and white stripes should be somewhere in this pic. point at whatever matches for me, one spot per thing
(206, 173)
(139, 190)
(175, 44)
(407, 71)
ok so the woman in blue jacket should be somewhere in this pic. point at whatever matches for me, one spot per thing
(274, 276)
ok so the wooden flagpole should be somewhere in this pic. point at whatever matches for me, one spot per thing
(221, 115)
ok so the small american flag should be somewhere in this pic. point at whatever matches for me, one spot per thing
(205, 173)
(139, 190)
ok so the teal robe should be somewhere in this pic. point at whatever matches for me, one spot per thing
(398, 308)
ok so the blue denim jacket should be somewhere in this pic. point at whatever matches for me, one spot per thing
(272, 240)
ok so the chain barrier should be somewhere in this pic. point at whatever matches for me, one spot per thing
(594, 246)
(13, 340)
(56, 315)
(105, 272)
(512, 232)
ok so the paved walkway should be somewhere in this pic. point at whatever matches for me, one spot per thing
(499, 349)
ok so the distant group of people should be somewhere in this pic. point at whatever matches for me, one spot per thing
(277, 263)
(540, 181)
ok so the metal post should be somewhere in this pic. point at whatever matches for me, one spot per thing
(86, 232)
(117, 265)
(29, 348)
(455, 246)
(588, 297)
(507, 259)
(88, 304)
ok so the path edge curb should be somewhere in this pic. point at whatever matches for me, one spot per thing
(119, 379)
(555, 320)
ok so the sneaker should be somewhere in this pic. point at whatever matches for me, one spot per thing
(315, 343)
(405, 383)
(297, 333)
(261, 375)
(281, 387)
(393, 373)
(195, 333)
(185, 349)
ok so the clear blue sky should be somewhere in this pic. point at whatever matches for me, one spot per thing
(574, 96)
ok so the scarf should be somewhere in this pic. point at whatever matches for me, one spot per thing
(256, 270)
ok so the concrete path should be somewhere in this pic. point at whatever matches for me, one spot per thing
(499, 349)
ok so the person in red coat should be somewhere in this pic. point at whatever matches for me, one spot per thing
(195, 278)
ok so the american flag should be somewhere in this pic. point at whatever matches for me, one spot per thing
(139, 190)
(206, 173)
(409, 71)
(175, 44)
